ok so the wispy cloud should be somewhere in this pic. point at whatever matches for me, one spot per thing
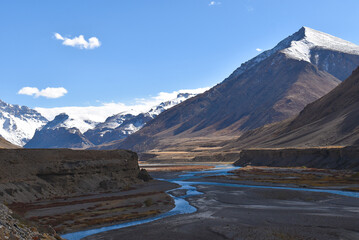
(79, 42)
(259, 49)
(100, 113)
(250, 8)
(213, 3)
(46, 92)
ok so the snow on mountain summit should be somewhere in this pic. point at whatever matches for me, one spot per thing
(59, 133)
(19, 123)
(310, 38)
(121, 125)
(63, 120)
(68, 130)
(300, 46)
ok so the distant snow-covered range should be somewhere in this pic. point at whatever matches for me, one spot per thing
(121, 125)
(19, 123)
(85, 118)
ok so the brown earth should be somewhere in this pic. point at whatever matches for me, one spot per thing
(6, 144)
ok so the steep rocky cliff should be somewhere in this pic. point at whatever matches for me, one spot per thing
(31, 174)
(333, 158)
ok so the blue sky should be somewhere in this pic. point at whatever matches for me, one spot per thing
(146, 46)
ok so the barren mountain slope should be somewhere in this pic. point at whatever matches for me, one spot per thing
(271, 87)
(331, 120)
(6, 144)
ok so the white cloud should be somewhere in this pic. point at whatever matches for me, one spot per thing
(100, 113)
(259, 50)
(213, 3)
(79, 42)
(46, 92)
(58, 36)
(28, 91)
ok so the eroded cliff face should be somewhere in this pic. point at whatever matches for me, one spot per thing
(31, 174)
(327, 157)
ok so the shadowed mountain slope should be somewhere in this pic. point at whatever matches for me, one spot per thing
(58, 134)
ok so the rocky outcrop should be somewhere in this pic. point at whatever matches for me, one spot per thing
(13, 228)
(331, 158)
(144, 175)
(30, 174)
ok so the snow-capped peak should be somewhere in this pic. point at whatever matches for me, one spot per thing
(19, 123)
(156, 110)
(65, 121)
(123, 124)
(310, 38)
(299, 45)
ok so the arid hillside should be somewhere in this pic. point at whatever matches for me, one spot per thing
(271, 87)
(331, 120)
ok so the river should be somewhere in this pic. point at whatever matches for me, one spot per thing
(182, 206)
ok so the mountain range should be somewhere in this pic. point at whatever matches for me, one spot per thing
(274, 86)
(65, 132)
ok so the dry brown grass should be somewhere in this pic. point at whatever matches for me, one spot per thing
(296, 148)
